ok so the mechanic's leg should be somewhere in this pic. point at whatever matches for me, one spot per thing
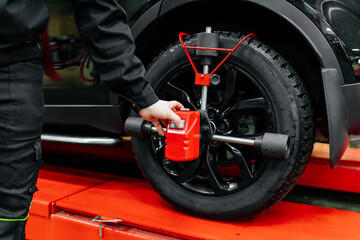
(21, 118)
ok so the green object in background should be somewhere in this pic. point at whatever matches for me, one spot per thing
(325, 198)
(64, 6)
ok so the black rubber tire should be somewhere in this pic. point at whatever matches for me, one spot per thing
(290, 103)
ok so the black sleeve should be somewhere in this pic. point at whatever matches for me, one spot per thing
(103, 28)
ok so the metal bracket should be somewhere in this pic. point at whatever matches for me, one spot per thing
(199, 77)
(100, 221)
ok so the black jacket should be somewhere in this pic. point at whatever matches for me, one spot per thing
(102, 25)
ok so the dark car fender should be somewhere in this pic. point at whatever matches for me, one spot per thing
(332, 73)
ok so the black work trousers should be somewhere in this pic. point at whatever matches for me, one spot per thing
(21, 119)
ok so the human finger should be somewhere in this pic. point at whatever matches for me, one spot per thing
(159, 127)
(176, 104)
(176, 119)
(164, 121)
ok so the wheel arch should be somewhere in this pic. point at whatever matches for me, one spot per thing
(292, 33)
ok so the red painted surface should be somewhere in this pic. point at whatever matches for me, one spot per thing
(183, 144)
(38, 227)
(68, 199)
(138, 205)
(345, 177)
(55, 183)
(69, 226)
(202, 79)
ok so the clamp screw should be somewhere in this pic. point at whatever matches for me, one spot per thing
(223, 125)
(215, 80)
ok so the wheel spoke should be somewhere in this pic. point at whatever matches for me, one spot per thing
(253, 103)
(179, 94)
(214, 177)
(190, 170)
(168, 166)
(231, 74)
(222, 155)
(245, 169)
(158, 144)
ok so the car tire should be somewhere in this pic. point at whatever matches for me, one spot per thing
(269, 97)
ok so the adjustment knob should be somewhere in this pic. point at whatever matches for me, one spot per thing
(215, 80)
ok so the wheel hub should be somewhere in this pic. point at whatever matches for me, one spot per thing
(218, 124)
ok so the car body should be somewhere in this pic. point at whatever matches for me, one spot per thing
(321, 39)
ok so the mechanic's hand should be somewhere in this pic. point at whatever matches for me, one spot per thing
(162, 110)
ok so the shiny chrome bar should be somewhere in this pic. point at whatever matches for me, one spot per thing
(102, 141)
(237, 140)
(220, 138)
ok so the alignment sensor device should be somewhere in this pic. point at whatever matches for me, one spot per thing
(183, 144)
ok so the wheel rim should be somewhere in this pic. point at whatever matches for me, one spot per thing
(239, 107)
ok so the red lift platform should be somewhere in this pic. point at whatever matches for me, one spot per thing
(78, 204)
(345, 177)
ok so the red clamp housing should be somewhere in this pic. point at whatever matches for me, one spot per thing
(204, 79)
(183, 144)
